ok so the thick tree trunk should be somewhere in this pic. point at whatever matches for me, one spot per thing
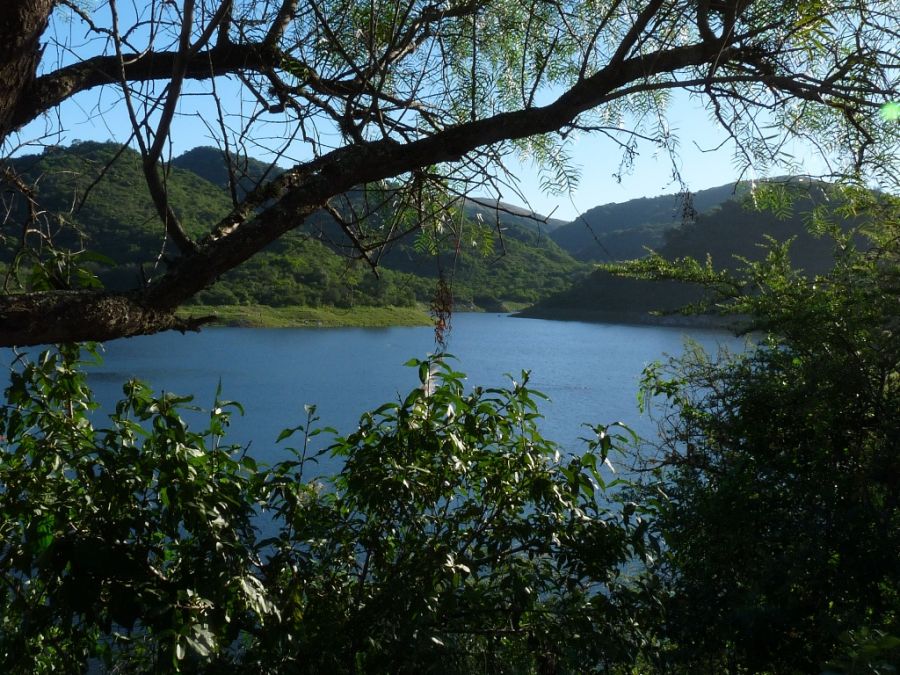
(21, 24)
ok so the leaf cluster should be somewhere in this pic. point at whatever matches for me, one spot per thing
(779, 472)
(131, 543)
(455, 538)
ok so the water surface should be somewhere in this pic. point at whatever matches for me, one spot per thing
(590, 371)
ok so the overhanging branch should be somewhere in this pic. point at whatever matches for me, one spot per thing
(75, 316)
(63, 316)
(48, 91)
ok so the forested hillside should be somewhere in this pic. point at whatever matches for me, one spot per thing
(98, 209)
(729, 233)
(494, 256)
(622, 231)
(93, 203)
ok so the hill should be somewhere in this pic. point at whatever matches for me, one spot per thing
(499, 255)
(210, 163)
(496, 256)
(730, 230)
(90, 192)
(246, 172)
(495, 210)
(96, 201)
(622, 231)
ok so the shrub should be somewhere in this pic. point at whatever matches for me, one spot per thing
(456, 538)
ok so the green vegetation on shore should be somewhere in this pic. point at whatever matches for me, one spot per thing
(492, 258)
(263, 316)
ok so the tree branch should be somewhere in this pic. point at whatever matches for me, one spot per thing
(279, 25)
(29, 319)
(150, 156)
(73, 316)
(48, 91)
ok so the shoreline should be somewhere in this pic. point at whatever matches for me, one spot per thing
(263, 316)
(703, 321)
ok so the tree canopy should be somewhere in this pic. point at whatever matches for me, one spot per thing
(416, 100)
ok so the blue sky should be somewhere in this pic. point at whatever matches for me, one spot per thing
(704, 158)
(701, 162)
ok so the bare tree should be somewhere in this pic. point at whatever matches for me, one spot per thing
(429, 95)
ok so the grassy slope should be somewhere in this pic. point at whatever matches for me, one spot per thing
(262, 316)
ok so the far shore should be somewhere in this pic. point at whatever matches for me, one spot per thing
(710, 321)
(262, 316)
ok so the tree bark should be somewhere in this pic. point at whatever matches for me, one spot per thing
(77, 316)
(22, 22)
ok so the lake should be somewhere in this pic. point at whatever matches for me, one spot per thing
(589, 371)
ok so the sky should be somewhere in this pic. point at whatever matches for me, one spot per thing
(705, 158)
(702, 160)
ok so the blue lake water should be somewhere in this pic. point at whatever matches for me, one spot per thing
(590, 371)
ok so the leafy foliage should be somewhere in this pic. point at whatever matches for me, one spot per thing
(455, 538)
(779, 471)
(132, 543)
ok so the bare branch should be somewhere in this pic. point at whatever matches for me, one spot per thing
(280, 24)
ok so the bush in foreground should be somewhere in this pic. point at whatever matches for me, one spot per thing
(455, 539)
(777, 486)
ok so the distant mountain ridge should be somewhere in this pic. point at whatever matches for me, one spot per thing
(209, 163)
(491, 209)
(505, 256)
(621, 231)
(117, 220)
(728, 233)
